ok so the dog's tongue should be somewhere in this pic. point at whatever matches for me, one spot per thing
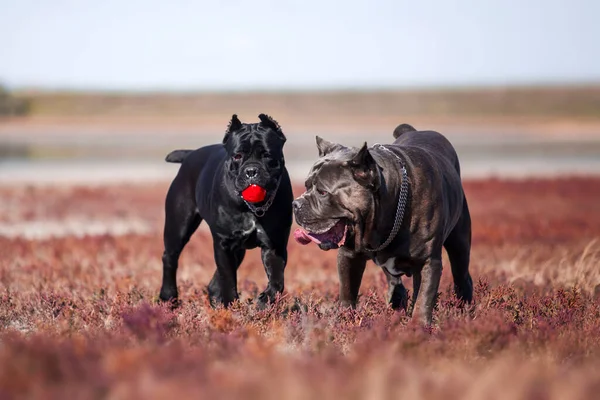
(335, 235)
(302, 237)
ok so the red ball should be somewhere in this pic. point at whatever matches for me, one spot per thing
(254, 194)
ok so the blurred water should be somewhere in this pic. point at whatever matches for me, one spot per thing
(112, 157)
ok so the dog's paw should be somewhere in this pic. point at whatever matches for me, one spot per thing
(348, 304)
(215, 302)
(397, 298)
(173, 304)
(169, 297)
(263, 301)
(266, 298)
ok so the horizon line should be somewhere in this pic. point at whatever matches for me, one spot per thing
(573, 84)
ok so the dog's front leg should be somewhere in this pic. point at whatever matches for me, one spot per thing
(351, 267)
(429, 282)
(223, 287)
(274, 261)
(415, 294)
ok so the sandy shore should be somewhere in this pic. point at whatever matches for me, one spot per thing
(42, 151)
(547, 127)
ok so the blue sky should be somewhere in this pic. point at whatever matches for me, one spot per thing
(261, 44)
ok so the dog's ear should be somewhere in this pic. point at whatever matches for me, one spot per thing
(365, 169)
(234, 125)
(325, 147)
(269, 122)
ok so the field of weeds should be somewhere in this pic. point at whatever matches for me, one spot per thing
(79, 319)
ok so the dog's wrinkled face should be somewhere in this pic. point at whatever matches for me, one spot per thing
(339, 195)
(255, 153)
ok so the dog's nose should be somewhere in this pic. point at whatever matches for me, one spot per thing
(296, 205)
(251, 172)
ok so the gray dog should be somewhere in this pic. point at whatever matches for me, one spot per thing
(395, 204)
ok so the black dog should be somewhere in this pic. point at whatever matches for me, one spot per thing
(208, 187)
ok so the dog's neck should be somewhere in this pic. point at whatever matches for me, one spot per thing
(391, 195)
(260, 211)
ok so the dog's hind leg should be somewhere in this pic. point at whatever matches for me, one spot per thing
(397, 297)
(458, 247)
(181, 221)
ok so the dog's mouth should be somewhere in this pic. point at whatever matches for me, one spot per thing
(259, 192)
(332, 237)
(254, 194)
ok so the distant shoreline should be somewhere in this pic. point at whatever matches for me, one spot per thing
(513, 132)
(511, 102)
(549, 127)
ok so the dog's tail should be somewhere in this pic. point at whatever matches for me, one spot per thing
(177, 156)
(403, 128)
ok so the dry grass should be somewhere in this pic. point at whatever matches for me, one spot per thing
(572, 101)
(78, 317)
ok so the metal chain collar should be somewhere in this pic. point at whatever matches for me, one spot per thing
(260, 211)
(402, 198)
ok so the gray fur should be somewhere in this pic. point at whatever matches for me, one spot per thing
(362, 187)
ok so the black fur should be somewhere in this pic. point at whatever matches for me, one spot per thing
(403, 128)
(208, 186)
(177, 156)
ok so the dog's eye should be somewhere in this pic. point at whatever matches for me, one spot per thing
(321, 192)
(237, 157)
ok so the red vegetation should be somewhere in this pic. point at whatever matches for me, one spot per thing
(78, 317)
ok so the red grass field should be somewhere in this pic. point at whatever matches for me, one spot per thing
(78, 317)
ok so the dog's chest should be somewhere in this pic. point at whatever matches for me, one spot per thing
(243, 233)
(247, 234)
(394, 266)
